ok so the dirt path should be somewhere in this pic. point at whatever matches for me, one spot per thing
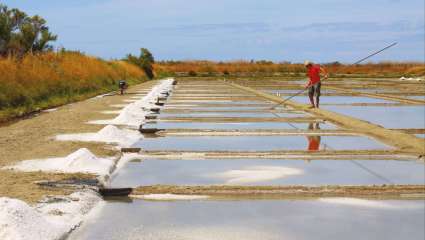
(33, 138)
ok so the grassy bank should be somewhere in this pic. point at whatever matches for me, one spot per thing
(51, 79)
(265, 68)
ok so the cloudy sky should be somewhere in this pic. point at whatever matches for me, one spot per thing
(320, 30)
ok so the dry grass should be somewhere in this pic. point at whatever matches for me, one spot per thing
(51, 79)
(238, 67)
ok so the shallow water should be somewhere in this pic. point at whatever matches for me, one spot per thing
(232, 114)
(268, 172)
(256, 219)
(257, 143)
(215, 102)
(341, 100)
(235, 125)
(421, 135)
(389, 117)
(417, 97)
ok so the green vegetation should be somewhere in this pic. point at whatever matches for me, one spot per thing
(50, 79)
(145, 61)
(21, 34)
(35, 77)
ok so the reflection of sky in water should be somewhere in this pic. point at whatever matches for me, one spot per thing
(389, 117)
(340, 100)
(231, 114)
(348, 219)
(218, 102)
(417, 97)
(422, 135)
(235, 125)
(243, 172)
(258, 143)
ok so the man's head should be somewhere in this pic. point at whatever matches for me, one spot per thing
(308, 64)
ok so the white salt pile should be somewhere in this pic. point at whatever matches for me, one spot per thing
(80, 161)
(257, 174)
(133, 114)
(109, 134)
(51, 220)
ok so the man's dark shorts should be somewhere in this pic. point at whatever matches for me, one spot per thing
(315, 89)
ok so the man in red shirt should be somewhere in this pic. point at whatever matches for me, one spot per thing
(314, 85)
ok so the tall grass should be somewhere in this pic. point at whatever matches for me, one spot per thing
(269, 68)
(55, 78)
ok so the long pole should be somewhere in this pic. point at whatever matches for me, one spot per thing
(359, 61)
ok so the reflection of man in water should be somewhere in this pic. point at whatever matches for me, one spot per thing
(313, 141)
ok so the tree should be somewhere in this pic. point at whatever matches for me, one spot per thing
(145, 61)
(21, 34)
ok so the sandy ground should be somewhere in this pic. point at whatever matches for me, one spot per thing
(33, 139)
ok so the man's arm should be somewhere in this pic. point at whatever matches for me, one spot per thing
(308, 84)
(324, 72)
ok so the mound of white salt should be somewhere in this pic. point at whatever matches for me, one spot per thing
(257, 174)
(45, 221)
(133, 114)
(108, 134)
(19, 221)
(80, 161)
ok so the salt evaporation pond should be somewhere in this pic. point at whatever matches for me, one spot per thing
(350, 219)
(340, 100)
(268, 172)
(264, 114)
(235, 125)
(389, 116)
(257, 143)
(214, 102)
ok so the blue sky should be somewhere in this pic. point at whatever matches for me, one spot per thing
(323, 31)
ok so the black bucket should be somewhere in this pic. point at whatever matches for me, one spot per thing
(155, 110)
(151, 117)
(109, 192)
(148, 130)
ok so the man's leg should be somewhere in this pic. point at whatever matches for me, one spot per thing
(317, 101)
(317, 91)
(311, 95)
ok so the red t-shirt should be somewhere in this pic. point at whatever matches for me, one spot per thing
(314, 74)
(313, 144)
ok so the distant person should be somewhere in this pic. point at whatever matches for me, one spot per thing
(123, 86)
(314, 140)
(314, 84)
